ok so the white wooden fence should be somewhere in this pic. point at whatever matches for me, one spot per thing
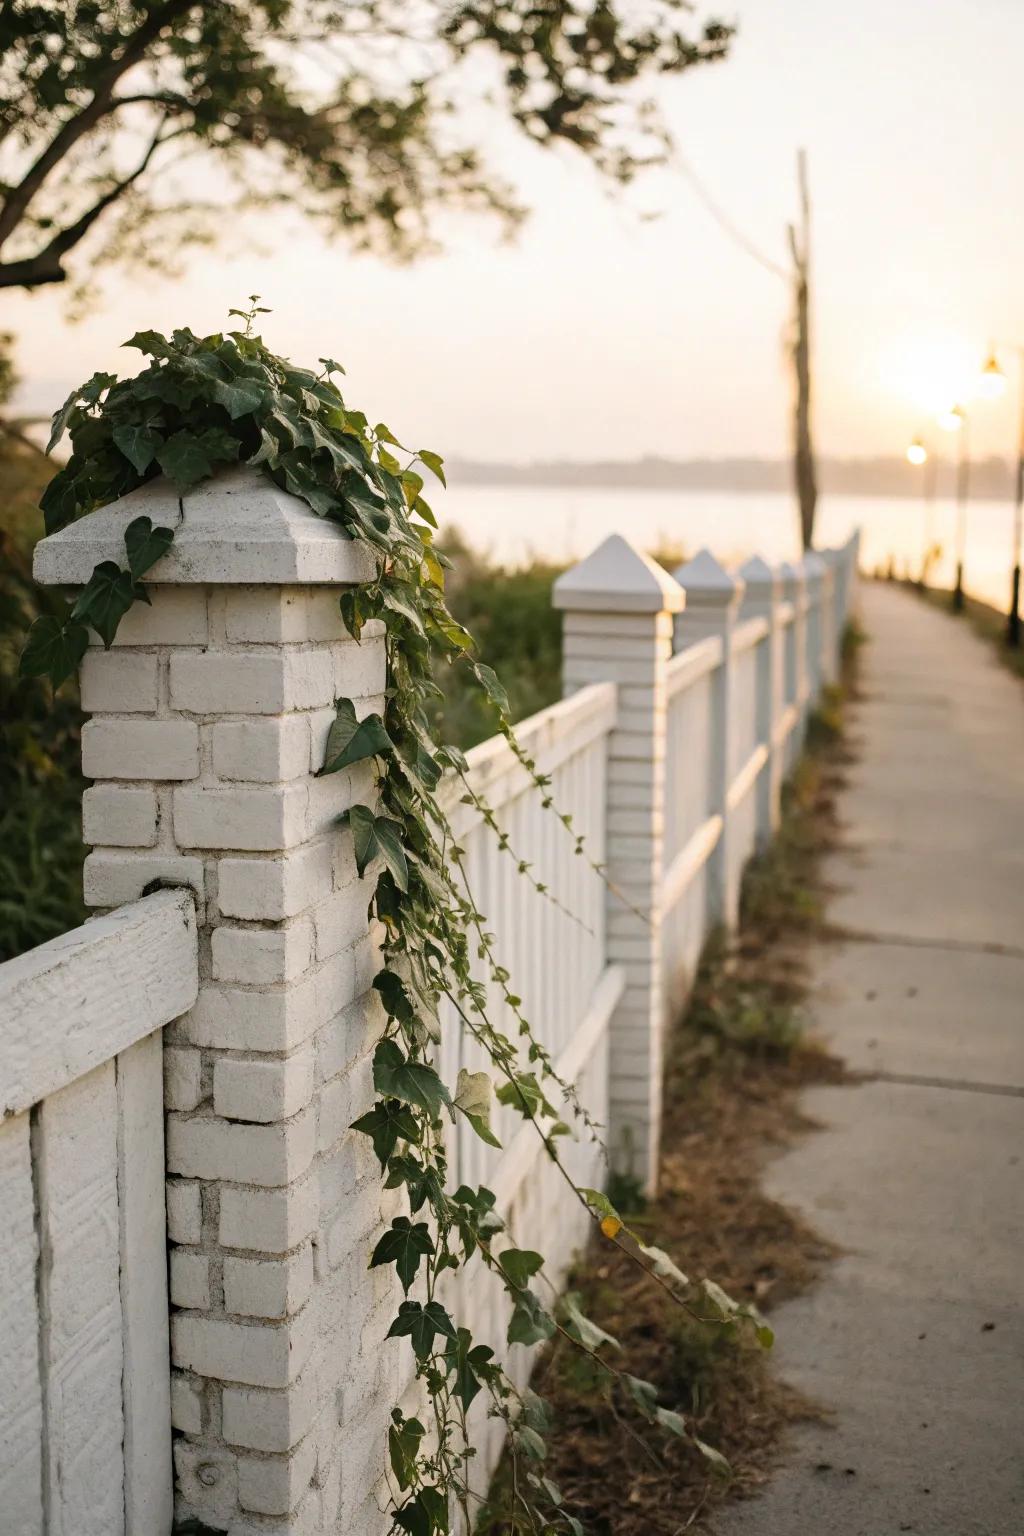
(84, 1361)
(686, 704)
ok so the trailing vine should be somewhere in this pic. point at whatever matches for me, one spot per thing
(206, 402)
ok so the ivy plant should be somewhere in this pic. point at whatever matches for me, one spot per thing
(205, 402)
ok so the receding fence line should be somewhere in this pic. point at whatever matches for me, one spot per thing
(686, 703)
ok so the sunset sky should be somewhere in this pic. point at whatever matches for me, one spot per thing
(605, 333)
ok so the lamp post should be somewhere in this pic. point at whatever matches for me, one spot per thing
(994, 383)
(955, 420)
(918, 454)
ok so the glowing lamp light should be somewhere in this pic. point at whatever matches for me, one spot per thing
(993, 382)
(952, 420)
(917, 453)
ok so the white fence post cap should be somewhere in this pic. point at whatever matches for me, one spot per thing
(761, 581)
(708, 584)
(616, 578)
(237, 527)
(814, 566)
(791, 577)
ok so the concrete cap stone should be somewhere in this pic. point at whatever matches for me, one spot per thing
(708, 584)
(238, 527)
(616, 578)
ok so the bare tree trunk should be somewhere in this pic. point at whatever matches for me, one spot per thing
(803, 449)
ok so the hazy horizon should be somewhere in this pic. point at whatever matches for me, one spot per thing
(604, 332)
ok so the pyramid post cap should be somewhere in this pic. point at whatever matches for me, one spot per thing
(236, 527)
(833, 555)
(617, 578)
(814, 566)
(791, 576)
(707, 583)
(760, 578)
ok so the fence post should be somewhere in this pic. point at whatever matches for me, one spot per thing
(794, 693)
(208, 720)
(761, 601)
(834, 603)
(618, 608)
(712, 601)
(814, 569)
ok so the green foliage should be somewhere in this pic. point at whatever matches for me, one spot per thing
(40, 777)
(364, 113)
(208, 401)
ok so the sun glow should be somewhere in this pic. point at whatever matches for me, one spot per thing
(927, 372)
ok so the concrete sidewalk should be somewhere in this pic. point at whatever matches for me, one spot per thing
(915, 1338)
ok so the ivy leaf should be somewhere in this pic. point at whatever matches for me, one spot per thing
(582, 1327)
(662, 1265)
(138, 444)
(149, 342)
(524, 1093)
(145, 545)
(393, 995)
(473, 1098)
(404, 1438)
(530, 1323)
(434, 463)
(421, 1325)
(644, 1395)
(530, 1442)
(105, 599)
(411, 484)
(378, 836)
(350, 740)
(468, 1363)
(716, 1460)
(240, 397)
(53, 649)
(426, 1514)
(185, 459)
(268, 451)
(520, 1265)
(385, 1123)
(488, 680)
(673, 1422)
(399, 1077)
(404, 1245)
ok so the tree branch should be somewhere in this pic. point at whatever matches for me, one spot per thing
(18, 200)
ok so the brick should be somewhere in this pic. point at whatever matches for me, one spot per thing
(275, 1019)
(335, 793)
(117, 682)
(341, 1101)
(268, 1287)
(119, 818)
(256, 1354)
(111, 879)
(183, 1070)
(184, 1212)
(360, 668)
(339, 921)
(262, 955)
(269, 1421)
(262, 751)
(140, 749)
(176, 616)
(274, 889)
(281, 615)
(258, 820)
(251, 682)
(190, 1279)
(349, 1035)
(271, 1089)
(186, 1405)
(207, 1480)
(206, 1147)
(274, 1485)
(268, 1220)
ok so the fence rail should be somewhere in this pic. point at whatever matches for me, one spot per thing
(686, 703)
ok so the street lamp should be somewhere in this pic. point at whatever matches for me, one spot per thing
(918, 454)
(994, 384)
(955, 420)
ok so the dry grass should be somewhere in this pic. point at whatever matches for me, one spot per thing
(737, 1063)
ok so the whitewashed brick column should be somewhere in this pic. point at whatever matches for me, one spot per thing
(794, 688)
(207, 725)
(713, 598)
(618, 608)
(814, 570)
(761, 601)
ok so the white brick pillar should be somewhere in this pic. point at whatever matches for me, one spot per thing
(618, 608)
(761, 601)
(713, 598)
(814, 570)
(794, 686)
(208, 720)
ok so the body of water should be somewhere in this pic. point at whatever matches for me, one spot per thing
(513, 523)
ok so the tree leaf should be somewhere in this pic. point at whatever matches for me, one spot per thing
(351, 740)
(105, 599)
(385, 1123)
(414, 1082)
(53, 649)
(404, 1246)
(138, 444)
(145, 545)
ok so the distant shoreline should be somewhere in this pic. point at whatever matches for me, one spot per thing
(991, 478)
